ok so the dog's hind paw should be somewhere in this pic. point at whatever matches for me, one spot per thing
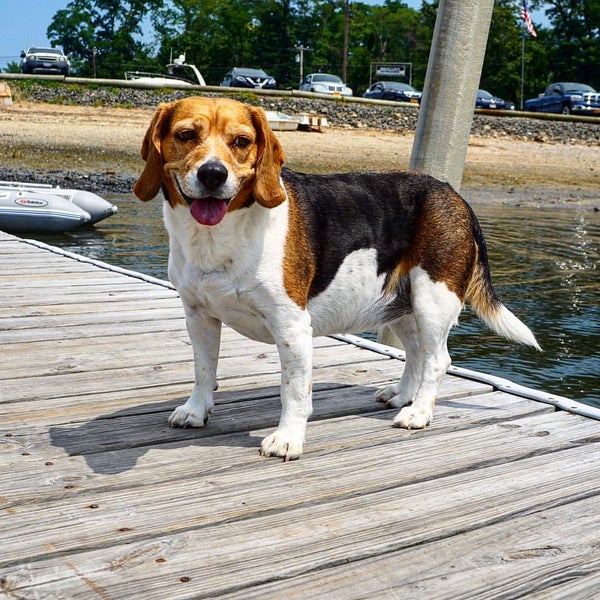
(182, 416)
(389, 396)
(283, 445)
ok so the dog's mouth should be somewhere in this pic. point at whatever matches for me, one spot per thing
(208, 210)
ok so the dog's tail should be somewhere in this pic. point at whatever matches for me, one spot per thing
(486, 304)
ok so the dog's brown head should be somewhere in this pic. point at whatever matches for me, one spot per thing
(213, 155)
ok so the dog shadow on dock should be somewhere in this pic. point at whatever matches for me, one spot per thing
(115, 442)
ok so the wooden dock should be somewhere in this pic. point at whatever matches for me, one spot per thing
(99, 498)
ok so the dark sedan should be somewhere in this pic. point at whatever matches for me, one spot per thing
(487, 100)
(249, 78)
(393, 90)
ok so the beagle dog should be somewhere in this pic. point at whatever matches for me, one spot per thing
(282, 256)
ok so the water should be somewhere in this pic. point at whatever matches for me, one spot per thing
(544, 264)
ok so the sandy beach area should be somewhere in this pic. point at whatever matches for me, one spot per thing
(105, 142)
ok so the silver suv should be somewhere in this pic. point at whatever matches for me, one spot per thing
(45, 60)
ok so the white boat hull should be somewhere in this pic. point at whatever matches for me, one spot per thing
(279, 121)
(38, 208)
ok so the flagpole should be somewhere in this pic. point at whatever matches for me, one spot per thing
(526, 17)
(522, 64)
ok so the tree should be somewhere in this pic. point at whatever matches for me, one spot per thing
(215, 35)
(102, 37)
(501, 74)
(13, 67)
(574, 42)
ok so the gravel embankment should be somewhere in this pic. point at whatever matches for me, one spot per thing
(339, 114)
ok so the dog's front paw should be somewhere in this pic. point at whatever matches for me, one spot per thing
(284, 444)
(413, 417)
(389, 396)
(185, 416)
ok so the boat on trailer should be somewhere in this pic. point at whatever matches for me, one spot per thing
(179, 74)
(43, 208)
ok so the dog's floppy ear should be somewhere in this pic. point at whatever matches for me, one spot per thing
(268, 189)
(148, 184)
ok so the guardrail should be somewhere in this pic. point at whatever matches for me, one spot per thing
(126, 83)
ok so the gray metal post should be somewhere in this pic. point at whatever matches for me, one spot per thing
(451, 83)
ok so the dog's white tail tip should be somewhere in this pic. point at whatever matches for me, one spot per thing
(506, 324)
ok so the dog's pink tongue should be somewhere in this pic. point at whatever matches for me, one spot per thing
(208, 211)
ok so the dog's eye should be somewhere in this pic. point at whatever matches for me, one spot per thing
(241, 142)
(186, 135)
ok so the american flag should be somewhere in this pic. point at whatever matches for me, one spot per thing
(527, 18)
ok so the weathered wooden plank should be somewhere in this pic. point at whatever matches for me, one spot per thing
(275, 528)
(83, 285)
(147, 321)
(101, 353)
(68, 270)
(134, 311)
(82, 461)
(162, 373)
(72, 294)
(15, 264)
(135, 393)
(99, 300)
(169, 350)
(40, 310)
(549, 554)
(577, 583)
(82, 408)
(111, 349)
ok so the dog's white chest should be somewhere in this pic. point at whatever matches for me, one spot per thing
(244, 306)
(233, 273)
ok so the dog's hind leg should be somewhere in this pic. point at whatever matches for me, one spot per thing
(403, 393)
(435, 309)
(205, 334)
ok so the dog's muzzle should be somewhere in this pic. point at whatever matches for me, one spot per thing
(207, 210)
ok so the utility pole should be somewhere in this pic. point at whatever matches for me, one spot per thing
(94, 53)
(346, 36)
(300, 49)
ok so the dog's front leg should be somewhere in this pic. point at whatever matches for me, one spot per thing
(205, 333)
(295, 348)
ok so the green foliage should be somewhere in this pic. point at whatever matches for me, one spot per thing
(13, 67)
(574, 41)
(107, 37)
(102, 37)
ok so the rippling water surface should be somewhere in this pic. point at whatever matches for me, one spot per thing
(544, 265)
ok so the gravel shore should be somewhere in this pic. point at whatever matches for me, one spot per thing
(76, 136)
(400, 119)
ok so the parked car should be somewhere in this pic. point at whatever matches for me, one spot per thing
(486, 100)
(393, 90)
(324, 83)
(566, 98)
(51, 61)
(249, 78)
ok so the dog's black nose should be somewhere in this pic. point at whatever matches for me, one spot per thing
(212, 175)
